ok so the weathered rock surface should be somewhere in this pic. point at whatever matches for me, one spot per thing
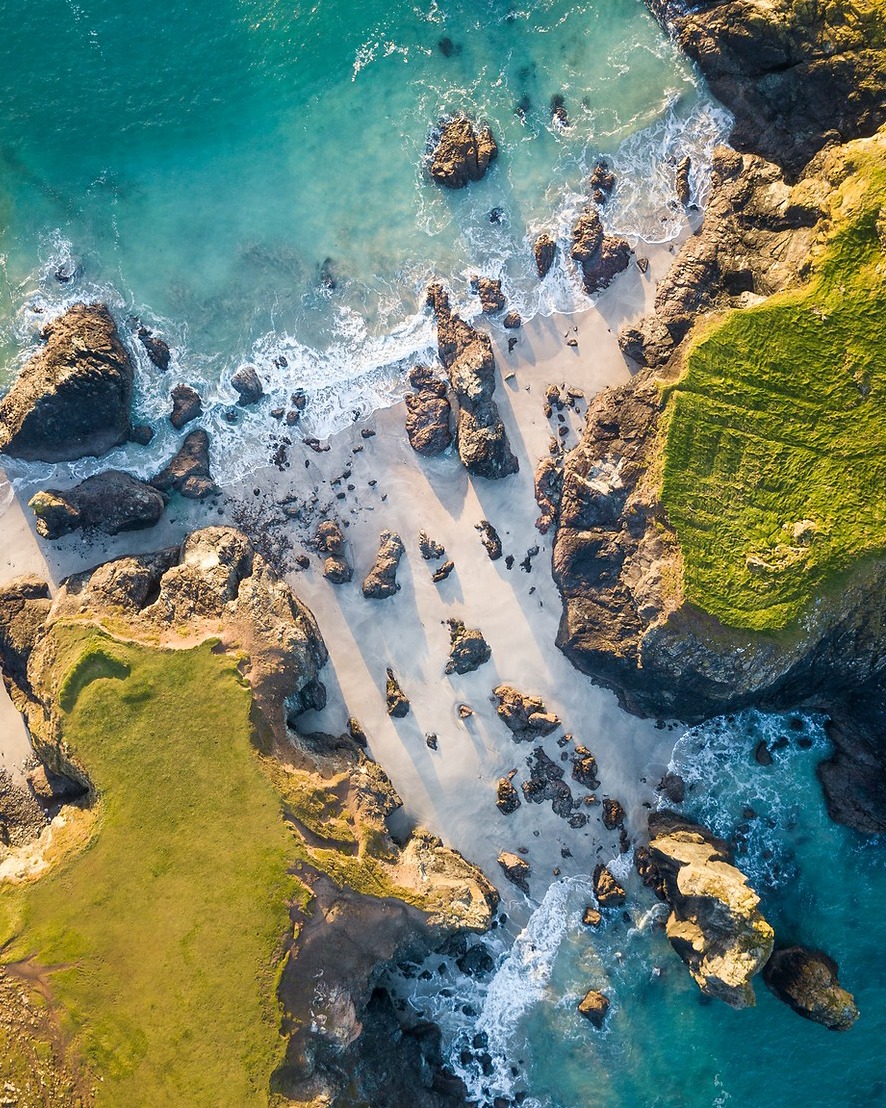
(594, 1006)
(331, 542)
(548, 491)
(492, 299)
(544, 251)
(22, 820)
(682, 185)
(795, 76)
(428, 413)
(381, 581)
(607, 890)
(397, 700)
(584, 768)
(186, 406)
(591, 917)
(545, 782)
(507, 797)
(247, 384)
(73, 397)
(466, 354)
(600, 257)
(524, 715)
(463, 152)
(490, 539)
(157, 349)
(807, 981)
(188, 472)
(111, 502)
(429, 548)
(715, 923)
(515, 869)
(468, 649)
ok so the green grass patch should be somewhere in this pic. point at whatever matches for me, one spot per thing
(166, 930)
(774, 458)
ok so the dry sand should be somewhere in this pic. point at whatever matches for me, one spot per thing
(452, 789)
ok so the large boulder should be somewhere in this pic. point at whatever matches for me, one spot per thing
(188, 471)
(468, 648)
(110, 502)
(466, 354)
(462, 153)
(715, 923)
(600, 257)
(428, 413)
(72, 398)
(807, 981)
(525, 716)
(381, 581)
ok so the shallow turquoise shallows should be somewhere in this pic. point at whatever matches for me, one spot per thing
(216, 169)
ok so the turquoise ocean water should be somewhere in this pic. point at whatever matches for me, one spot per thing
(215, 170)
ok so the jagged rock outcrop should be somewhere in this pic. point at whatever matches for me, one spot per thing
(507, 798)
(381, 581)
(397, 701)
(72, 398)
(715, 923)
(428, 413)
(463, 152)
(468, 648)
(607, 890)
(490, 538)
(188, 472)
(331, 542)
(755, 240)
(544, 251)
(794, 75)
(515, 869)
(466, 354)
(156, 348)
(492, 299)
(807, 981)
(187, 405)
(110, 502)
(682, 180)
(548, 491)
(524, 715)
(600, 257)
(247, 385)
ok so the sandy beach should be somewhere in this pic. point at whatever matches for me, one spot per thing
(452, 789)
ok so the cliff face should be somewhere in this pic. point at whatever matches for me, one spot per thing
(706, 559)
(795, 75)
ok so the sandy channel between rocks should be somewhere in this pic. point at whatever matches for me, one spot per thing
(452, 789)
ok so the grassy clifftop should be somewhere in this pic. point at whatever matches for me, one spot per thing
(774, 457)
(162, 937)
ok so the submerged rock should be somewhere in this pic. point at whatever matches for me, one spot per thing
(469, 650)
(397, 700)
(463, 152)
(428, 413)
(525, 716)
(381, 581)
(188, 472)
(807, 981)
(111, 502)
(515, 869)
(72, 398)
(715, 923)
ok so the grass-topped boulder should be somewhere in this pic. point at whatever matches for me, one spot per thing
(172, 926)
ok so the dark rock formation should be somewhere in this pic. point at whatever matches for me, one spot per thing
(331, 542)
(594, 1007)
(548, 490)
(492, 299)
(186, 406)
(247, 384)
(397, 700)
(462, 153)
(544, 250)
(607, 890)
(469, 650)
(681, 180)
(515, 869)
(546, 782)
(715, 923)
(600, 257)
(807, 981)
(525, 716)
(72, 398)
(188, 471)
(584, 768)
(613, 814)
(157, 349)
(442, 572)
(794, 76)
(381, 581)
(429, 548)
(466, 355)
(591, 917)
(428, 413)
(490, 539)
(507, 798)
(602, 181)
(111, 502)
(512, 321)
